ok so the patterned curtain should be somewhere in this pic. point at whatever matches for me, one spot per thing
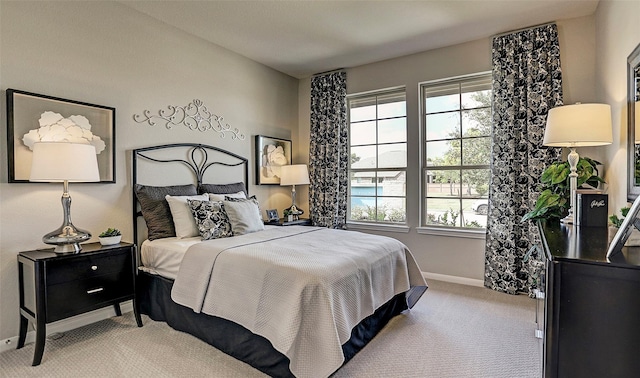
(527, 82)
(328, 152)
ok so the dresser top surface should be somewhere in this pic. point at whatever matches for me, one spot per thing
(584, 244)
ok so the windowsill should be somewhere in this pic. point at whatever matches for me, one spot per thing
(479, 233)
(378, 227)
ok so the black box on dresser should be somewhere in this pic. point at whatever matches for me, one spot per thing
(592, 208)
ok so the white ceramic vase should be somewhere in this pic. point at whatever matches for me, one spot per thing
(109, 240)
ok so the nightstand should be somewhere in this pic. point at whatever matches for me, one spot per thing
(284, 222)
(58, 286)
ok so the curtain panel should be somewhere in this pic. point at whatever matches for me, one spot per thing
(328, 151)
(527, 83)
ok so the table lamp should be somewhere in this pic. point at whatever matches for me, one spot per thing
(65, 162)
(295, 174)
(578, 125)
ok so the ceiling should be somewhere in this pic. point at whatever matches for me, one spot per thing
(301, 38)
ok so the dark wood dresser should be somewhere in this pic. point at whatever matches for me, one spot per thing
(57, 286)
(592, 305)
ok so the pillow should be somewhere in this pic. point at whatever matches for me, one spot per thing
(220, 197)
(183, 221)
(244, 215)
(155, 208)
(211, 219)
(222, 188)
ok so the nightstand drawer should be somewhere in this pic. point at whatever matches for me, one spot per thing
(80, 268)
(76, 297)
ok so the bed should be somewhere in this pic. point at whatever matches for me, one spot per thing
(278, 298)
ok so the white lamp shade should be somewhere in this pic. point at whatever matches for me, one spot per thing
(57, 162)
(578, 125)
(295, 174)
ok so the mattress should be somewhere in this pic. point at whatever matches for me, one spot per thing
(163, 256)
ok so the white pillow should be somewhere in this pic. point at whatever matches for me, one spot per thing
(244, 216)
(220, 197)
(183, 219)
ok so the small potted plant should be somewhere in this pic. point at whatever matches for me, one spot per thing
(110, 236)
(614, 224)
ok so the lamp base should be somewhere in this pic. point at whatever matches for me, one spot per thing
(67, 239)
(568, 219)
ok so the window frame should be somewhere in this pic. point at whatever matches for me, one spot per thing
(436, 229)
(376, 224)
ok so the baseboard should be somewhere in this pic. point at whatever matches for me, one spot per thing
(68, 324)
(453, 279)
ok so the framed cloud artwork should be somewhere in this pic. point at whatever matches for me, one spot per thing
(35, 118)
(271, 154)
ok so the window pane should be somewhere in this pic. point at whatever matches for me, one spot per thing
(445, 152)
(363, 133)
(442, 126)
(363, 183)
(476, 122)
(362, 109)
(363, 157)
(442, 98)
(392, 210)
(475, 182)
(443, 183)
(392, 130)
(443, 212)
(474, 213)
(393, 183)
(476, 92)
(476, 151)
(392, 155)
(363, 208)
(392, 105)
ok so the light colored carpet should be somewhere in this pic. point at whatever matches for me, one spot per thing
(453, 331)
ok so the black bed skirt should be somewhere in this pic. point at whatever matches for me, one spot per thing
(154, 297)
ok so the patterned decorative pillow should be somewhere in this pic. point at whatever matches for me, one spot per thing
(244, 215)
(155, 209)
(211, 219)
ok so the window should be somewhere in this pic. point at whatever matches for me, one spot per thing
(456, 116)
(378, 150)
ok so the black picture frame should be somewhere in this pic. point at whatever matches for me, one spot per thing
(267, 162)
(24, 111)
(272, 215)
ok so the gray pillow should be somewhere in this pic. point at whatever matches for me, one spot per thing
(244, 215)
(211, 219)
(155, 209)
(222, 188)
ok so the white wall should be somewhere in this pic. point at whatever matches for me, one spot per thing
(105, 53)
(618, 34)
(452, 256)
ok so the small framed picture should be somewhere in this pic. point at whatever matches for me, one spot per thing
(272, 215)
(271, 154)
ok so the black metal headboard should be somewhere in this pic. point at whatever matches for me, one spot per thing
(192, 155)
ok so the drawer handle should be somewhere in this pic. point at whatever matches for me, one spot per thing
(94, 267)
(95, 290)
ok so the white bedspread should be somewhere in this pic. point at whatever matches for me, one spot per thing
(302, 288)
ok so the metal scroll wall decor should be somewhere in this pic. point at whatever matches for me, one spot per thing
(194, 115)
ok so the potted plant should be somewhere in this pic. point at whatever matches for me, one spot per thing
(110, 236)
(554, 201)
(616, 222)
